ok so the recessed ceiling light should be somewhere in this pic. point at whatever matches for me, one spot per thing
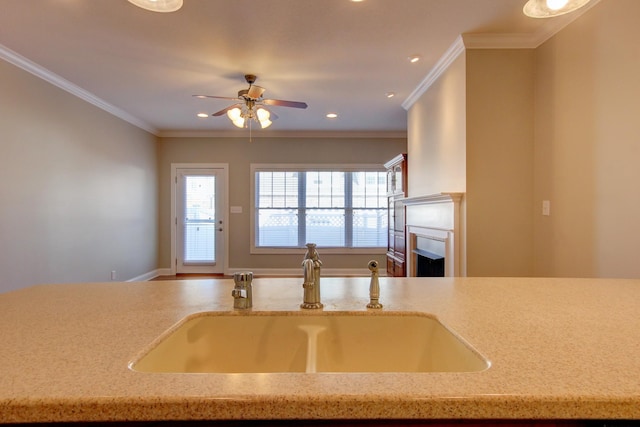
(357, 1)
(332, 115)
(203, 115)
(414, 58)
(390, 94)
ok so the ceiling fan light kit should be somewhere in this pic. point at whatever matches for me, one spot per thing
(250, 106)
(551, 8)
(235, 115)
(241, 118)
(264, 117)
(158, 5)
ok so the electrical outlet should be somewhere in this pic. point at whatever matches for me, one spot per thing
(546, 207)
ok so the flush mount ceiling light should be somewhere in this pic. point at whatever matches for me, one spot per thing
(158, 5)
(551, 8)
(331, 115)
(414, 58)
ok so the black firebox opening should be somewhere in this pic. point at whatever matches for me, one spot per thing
(428, 264)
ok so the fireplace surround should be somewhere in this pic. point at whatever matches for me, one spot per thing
(434, 228)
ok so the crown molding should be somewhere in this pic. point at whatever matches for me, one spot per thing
(524, 40)
(494, 41)
(441, 66)
(462, 42)
(244, 134)
(500, 41)
(31, 67)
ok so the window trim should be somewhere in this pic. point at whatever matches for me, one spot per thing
(306, 167)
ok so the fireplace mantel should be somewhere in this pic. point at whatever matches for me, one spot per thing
(434, 198)
(436, 217)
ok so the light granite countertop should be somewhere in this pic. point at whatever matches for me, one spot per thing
(559, 349)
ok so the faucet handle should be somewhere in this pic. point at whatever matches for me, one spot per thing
(243, 278)
(242, 292)
(239, 293)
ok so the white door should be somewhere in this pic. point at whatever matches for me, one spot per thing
(200, 220)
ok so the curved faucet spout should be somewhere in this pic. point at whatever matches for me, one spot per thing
(308, 274)
(311, 270)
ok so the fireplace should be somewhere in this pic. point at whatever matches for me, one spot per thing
(429, 255)
(435, 236)
(429, 264)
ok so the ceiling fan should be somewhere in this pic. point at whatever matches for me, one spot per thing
(251, 105)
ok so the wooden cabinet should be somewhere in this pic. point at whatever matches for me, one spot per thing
(396, 187)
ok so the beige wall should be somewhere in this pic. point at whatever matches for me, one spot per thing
(555, 123)
(239, 153)
(78, 188)
(436, 133)
(472, 132)
(588, 145)
(499, 148)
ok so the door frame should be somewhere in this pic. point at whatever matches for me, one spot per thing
(224, 167)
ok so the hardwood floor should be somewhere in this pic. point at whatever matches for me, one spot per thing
(192, 277)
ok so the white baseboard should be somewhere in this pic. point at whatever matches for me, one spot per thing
(152, 274)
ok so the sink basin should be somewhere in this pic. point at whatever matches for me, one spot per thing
(269, 342)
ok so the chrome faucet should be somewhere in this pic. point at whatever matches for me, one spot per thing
(242, 292)
(374, 286)
(311, 270)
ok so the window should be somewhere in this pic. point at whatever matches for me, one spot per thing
(334, 208)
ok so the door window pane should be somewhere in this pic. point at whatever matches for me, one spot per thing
(199, 219)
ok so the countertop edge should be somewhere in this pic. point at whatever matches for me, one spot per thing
(355, 407)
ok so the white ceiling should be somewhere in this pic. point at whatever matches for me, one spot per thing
(335, 55)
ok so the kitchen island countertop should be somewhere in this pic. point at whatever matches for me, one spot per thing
(558, 348)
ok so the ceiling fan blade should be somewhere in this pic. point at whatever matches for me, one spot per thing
(255, 92)
(224, 110)
(216, 97)
(281, 103)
